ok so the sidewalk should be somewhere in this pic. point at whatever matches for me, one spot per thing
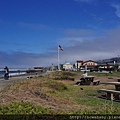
(4, 83)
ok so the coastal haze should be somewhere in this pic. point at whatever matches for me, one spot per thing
(30, 31)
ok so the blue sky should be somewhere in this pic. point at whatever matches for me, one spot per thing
(31, 30)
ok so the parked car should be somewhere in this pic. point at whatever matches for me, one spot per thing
(94, 70)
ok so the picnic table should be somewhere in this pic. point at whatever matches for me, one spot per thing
(110, 94)
(89, 78)
(118, 79)
(86, 80)
(117, 85)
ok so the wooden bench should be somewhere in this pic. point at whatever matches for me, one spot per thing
(86, 81)
(118, 79)
(96, 82)
(116, 84)
(89, 78)
(83, 82)
(114, 93)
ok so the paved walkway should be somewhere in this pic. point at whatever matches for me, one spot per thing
(4, 83)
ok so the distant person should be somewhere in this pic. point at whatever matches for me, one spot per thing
(84, 75)
(6, 76)
(82, 78)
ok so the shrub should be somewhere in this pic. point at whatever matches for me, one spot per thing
(57, 86)
(23, 108)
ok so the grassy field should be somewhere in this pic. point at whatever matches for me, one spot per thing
(56, 93)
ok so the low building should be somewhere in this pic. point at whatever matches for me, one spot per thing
(38, 69)
(78, 64)
(67, 66)
(90, 64)
(109, 66)
(86, 65)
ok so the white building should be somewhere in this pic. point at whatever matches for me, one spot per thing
(85, 64)
(78, 64)
(67, 66)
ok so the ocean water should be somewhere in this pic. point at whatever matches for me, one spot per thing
(12, 73)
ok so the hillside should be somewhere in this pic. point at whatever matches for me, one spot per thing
(57, 92)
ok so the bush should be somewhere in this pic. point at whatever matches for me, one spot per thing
(57, 86)
(23, 108)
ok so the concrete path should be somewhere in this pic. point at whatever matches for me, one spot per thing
(4, 83)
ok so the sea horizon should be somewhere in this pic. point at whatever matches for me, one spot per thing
(12, 73)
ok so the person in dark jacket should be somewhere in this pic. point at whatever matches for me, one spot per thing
(6, 76)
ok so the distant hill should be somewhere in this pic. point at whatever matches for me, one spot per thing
(111, 60)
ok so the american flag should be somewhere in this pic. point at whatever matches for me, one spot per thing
(60, 48)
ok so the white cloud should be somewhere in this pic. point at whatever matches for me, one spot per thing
(75, 48)
(71, 41)
(79, 32)
(93, 48)
(117, 6)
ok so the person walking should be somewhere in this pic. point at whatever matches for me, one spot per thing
(6, 76)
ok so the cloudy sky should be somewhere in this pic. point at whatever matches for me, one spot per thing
(31, 30)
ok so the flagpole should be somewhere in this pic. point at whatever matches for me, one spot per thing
(59, 48)
(58, 59)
